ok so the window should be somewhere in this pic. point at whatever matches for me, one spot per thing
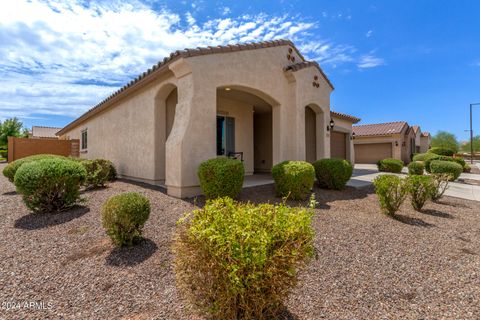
(225, 135)
(84, 139)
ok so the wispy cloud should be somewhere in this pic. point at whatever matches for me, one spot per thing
(370, 61)
(60, 58)
(369, 33)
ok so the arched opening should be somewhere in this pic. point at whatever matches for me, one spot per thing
(245, 127)
(314, 133)
(165, 105)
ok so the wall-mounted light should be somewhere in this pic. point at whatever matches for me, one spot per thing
(331, 125)
(352, 137)
(227, 89)
(396, 143)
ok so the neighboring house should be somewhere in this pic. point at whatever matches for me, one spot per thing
(374, 142)
(417, 133)
(341, 139)
(256, 99)
(425, 142)
(39, 132)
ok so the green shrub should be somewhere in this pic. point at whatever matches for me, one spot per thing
(221, 177)
(10, 170)
(448, 167)
(391, 191)
(98, 172)
(421, 189)
(240, 261)
(460, 161)
(293, 179)
(3, 153)
(123, 217)
(390, 165)
(442, 151)
(467, 168)
(428, 159)
(421, 156)
(333, 173)
(416, 167)
(112, 175)
(49, 184)
(440, 183)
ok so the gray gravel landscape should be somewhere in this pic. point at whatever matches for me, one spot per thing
(368, 266)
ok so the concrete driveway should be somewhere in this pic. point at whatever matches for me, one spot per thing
(363, 175)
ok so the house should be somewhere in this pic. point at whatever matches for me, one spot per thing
(417, 133)
(425, 142)
(341, 138)
(262, 102)
(374, 142)
(40, 132)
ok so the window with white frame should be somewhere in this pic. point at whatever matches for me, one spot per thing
(84, 140)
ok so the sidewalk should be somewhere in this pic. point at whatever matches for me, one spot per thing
(363, 175)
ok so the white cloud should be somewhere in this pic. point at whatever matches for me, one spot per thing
(225, 11)
(370, 61)
(62, 58)
(369, 33)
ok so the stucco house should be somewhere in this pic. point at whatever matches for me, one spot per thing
(374, 142)
(262, 102)
(425, 141)
(41, 132)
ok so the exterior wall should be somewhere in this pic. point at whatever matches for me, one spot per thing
(127, 134)
(345, 126)
(310, 135)
(424, 144)
(407, 146)
(263, 148)
(23, 147)
(243, 114)
(396, 150)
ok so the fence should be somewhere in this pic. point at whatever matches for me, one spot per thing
(22, 147)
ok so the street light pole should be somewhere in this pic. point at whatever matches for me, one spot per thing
(471, 131)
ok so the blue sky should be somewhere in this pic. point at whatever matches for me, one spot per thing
(417, 61)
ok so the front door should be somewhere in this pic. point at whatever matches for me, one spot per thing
(225, 135)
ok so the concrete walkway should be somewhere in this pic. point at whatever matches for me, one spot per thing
(363, 175)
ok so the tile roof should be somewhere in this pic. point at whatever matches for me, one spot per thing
(415, 128)
(425, 134)
(185, 53)
(306, 64)
(44, 132)
(379, 129)
(344, 116)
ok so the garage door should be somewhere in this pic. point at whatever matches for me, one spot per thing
(372, 152)
(338, 145)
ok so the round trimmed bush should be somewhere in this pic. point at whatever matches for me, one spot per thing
(390, 165)
(98, 172)
(416, 168)
(123, 217)
(428, 159)
(3, 153)
(442, 151)
(421, 156)
(221, 177)
(50, 184)
(10, 170)
(446, 167)
(333, 173)
(293, 179)
(241, 260)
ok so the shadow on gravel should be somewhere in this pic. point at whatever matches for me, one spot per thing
(131, 256)
(413, 221)
(9, 193)
(285, 314)
(436, 213)
(35, 221)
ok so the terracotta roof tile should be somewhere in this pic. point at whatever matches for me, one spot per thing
(379, 129)
(162, 65)
(305, 64)
(344, 116)
(415, 128)
(425, 134)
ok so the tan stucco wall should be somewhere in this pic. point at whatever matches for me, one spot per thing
(243, 114)
(345, 126)
(424, 144)
(263, 148)
(310, 135)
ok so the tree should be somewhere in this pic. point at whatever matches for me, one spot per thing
(444, 139)
(10, 128)
(476, 145)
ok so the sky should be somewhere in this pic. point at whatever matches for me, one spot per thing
(398, 60)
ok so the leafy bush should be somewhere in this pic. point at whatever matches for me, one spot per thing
(440, 183)
(240, 261)
(98, 172)
(333, 173)
(294, 179)
(50, 184)
(442, 151)
(460, 161)
(421, 188)
(123, 217)
(428, 159)
(3, 153)
(390, 165)
(467, 168)
(451, 168)
(421, 156)
(112, 175)
(221, 177)
(416, 167)
(391, 191)
(10, 170)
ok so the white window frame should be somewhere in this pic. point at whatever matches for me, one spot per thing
(86, 140)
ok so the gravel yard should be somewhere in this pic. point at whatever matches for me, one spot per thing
(419, 266)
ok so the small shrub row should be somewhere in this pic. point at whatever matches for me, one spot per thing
(452, 169)
(390, 165)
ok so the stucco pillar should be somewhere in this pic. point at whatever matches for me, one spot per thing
(192, 139)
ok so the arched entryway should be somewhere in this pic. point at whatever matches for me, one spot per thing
(246, 127)
(314, 131)
(165, 105)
